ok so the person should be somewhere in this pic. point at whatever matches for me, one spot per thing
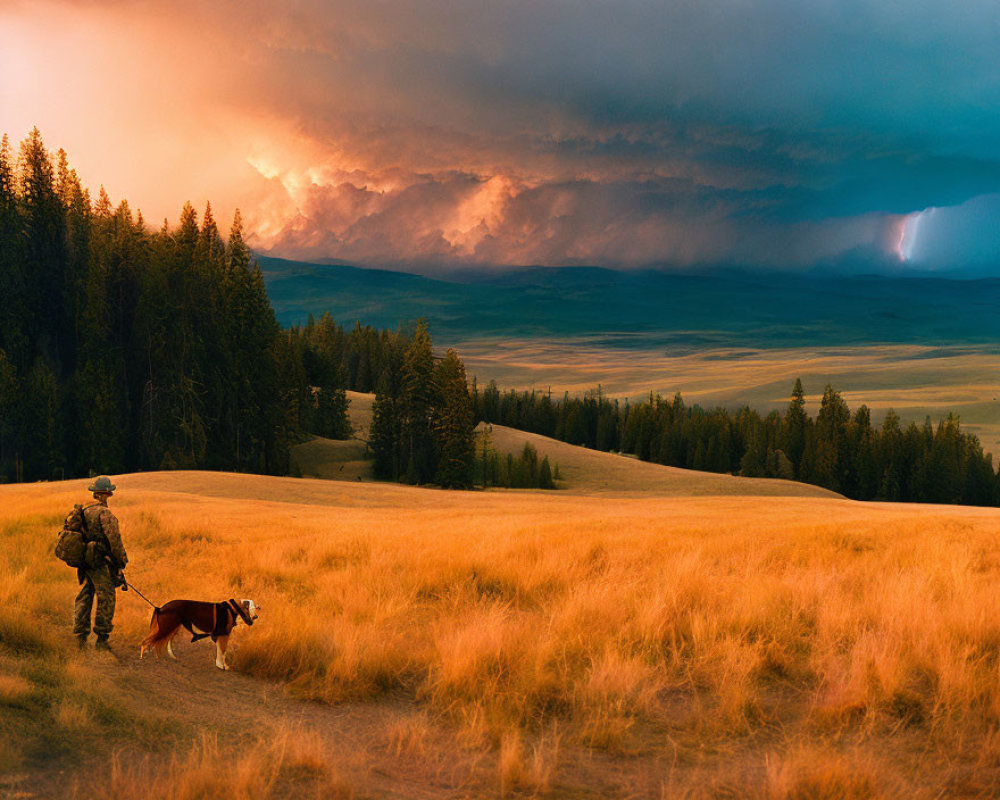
(102, 573)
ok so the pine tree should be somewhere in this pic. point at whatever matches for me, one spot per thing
(103, 207)
(418, 397)
(43, 231)
(238, 254)
(545, 480)
(9, 422)
(78, 237)
(382, 437)
(44, 455)
(796, 423)
(754, 461)
(453, 424)
(210, 245)
(386, 433)
(14, 316)
(120, 324)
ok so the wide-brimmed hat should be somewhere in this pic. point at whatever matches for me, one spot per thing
(102, 484)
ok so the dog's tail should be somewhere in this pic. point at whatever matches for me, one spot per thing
(161, 631)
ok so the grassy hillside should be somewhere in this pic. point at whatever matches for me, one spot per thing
(582, 471)
(347, 460)
(417, 643)
(586, 471)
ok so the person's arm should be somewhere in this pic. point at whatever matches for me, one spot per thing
(110, 525)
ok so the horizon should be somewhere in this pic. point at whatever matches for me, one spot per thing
(429, 139)
(461, 272)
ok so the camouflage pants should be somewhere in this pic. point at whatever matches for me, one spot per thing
(96, 581)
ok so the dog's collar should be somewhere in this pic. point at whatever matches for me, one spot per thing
(238, 608)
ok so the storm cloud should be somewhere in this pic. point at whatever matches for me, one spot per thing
(423, 134)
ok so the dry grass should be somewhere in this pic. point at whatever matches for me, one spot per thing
(283, 764)
(332, 460)
(834, 649)
(584, 471)
(360, 410)
(527, 768)
(14, 690)
(73, 715)
(811, 773)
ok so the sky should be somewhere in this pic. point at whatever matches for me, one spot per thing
(425, 135)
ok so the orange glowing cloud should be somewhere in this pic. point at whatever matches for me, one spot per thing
(411, 133)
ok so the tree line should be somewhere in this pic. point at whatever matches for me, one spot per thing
(836, 449)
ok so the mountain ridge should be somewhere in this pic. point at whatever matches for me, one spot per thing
(652, 308)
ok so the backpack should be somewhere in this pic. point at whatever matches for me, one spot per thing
(72, 545)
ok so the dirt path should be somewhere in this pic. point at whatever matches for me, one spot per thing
(371, 761)
(367, 743)
(244, 711)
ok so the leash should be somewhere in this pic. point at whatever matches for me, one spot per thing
(130, 586)
(126, 586)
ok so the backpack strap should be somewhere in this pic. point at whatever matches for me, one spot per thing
(101, 537)
(86, 525)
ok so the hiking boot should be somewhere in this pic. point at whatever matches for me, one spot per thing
(102, 644)
(81, 641)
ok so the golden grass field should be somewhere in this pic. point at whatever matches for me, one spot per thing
(914, 380)
(412, 642)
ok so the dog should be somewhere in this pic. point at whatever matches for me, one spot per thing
(202, 620)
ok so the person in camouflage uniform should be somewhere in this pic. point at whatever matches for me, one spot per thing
(102, 574)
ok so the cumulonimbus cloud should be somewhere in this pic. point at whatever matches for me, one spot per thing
(419, 134)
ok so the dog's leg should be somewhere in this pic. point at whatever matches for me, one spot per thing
(170, 650)
(220, 652)
(146, 643)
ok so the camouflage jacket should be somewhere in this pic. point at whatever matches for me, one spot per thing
(100, 518)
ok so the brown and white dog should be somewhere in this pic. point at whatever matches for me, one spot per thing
(201, 620)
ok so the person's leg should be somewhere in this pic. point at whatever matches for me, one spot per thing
(81, 610)
(104, 617)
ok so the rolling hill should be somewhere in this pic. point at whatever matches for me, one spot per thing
(586, 471)
(417, 643)
(583, 471)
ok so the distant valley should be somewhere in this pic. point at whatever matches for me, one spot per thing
(923, 346)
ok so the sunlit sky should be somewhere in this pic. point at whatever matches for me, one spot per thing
(421, 134)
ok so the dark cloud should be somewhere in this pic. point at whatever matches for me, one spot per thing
(622, 132)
